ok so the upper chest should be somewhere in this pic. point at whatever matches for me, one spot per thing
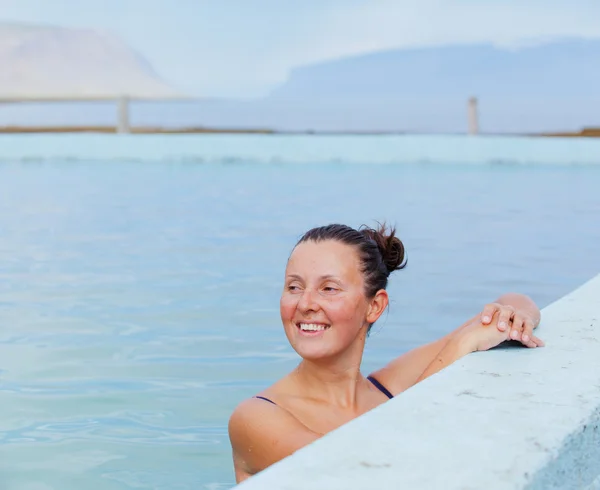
(322, 418)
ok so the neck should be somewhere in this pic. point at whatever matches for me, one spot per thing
(333, 380)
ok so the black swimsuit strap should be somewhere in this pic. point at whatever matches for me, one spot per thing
(265, 399)
(380, 387)
(377, 384)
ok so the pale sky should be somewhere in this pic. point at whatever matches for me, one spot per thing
(244, 48)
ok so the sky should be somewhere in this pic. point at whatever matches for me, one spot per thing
(246, 48)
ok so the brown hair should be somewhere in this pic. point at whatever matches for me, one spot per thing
(381, 252)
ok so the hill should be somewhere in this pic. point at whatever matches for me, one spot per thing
(558, 69)
(59, 62)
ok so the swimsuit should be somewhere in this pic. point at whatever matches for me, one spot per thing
(380, 387)
(377, 384)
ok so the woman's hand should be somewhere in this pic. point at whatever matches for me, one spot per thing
(518, 324)
(477, 336)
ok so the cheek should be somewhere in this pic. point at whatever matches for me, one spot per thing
(287, 307)
(348, 311)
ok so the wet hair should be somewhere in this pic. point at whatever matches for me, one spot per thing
(380, 251)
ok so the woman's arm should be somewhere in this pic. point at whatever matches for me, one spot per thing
(471, 337)
(454, 349)
(514, 310)
(407, 369)
(403, 372)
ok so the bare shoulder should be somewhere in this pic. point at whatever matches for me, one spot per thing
(262, 433)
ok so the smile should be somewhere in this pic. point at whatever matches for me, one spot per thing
(312, 328)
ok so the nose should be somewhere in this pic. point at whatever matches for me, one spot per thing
(308, 301)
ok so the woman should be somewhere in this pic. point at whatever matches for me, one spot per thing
(335, 290)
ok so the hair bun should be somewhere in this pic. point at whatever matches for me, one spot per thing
(389, 245)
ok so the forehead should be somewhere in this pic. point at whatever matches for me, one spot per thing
(324, 258)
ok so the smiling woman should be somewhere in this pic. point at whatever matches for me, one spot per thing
(334, 291)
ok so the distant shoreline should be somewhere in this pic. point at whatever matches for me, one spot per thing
(584, 133)
(133, 130)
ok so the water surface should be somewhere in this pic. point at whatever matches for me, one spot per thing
(139, 296)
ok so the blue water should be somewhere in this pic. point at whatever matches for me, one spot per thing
(140, 278)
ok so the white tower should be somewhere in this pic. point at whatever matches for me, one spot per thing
(123, 117)
(473, 116)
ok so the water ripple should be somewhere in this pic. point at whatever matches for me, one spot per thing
(114, 429)
(139, 302)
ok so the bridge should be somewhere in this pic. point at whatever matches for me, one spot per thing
(122, 103)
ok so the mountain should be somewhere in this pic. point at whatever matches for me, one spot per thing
(557, 69)
(538, 87)
(47, 61)
(549, 87)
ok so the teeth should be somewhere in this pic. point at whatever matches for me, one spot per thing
(312, 326)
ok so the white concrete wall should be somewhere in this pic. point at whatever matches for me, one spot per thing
(510, 418)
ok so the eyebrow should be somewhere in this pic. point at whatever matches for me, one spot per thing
(321, 278)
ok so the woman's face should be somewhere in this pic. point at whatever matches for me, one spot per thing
(323, 305)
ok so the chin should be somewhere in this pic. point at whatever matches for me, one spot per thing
(319, 347)
(315, 356)
(314, 352)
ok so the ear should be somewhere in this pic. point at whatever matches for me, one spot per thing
(377, 306)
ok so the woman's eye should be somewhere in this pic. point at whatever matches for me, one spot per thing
(329, 289)
(293, 288)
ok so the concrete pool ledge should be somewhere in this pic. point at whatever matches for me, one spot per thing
(510, 418)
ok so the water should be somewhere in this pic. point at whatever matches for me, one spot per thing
(280, 149)
(139, 294)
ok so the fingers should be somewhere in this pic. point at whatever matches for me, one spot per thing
(539, 342)
(527, 337)
(516, 329)
(488, 313)
(527, 334)
(506, 315)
